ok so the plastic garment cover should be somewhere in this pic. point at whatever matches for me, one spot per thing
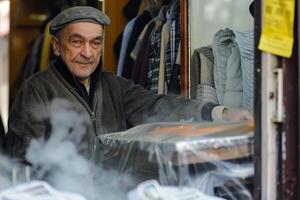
(153, 190)
(37, 190)
(212, 157)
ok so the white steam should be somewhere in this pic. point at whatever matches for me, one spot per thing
(5, 172)
(59, 159)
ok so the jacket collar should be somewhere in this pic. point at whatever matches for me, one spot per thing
(79, 87)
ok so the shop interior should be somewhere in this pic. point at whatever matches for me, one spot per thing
(203, 50)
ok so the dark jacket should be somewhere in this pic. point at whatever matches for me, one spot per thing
(116, 103)
(138, 27)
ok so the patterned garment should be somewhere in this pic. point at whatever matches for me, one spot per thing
(154, 53)
(172, 46)
(154, 58)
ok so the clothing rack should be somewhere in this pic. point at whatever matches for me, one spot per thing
(152, 78)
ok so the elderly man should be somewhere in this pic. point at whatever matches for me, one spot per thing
(111, 102)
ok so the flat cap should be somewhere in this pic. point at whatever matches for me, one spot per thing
(78, 13)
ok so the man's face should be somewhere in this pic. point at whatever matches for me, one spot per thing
(80, 47)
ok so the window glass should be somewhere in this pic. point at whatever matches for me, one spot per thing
(209, 16)
(222, 78)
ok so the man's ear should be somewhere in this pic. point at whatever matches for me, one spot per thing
(55, 46)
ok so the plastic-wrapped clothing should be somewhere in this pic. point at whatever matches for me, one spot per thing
(205, 156)
(117, 102)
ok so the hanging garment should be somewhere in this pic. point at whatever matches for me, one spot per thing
(154, 54)
(131, 9)
(174, 84)
(165, 36)
(140, 55)
(202, 69)
(125, 40)
(140, 39)
(173, 44)
(202, 82)
(138, 27)
(143, 6)
(245, 41)
(227, 69)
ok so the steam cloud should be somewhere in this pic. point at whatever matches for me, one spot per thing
(58, 161)
(5, 172)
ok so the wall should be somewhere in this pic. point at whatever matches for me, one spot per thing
(26, 17)
(113, 8)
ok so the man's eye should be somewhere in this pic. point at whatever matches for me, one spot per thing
(76, 43)
(96, 44)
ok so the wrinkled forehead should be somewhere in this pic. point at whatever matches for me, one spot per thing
(84, 29)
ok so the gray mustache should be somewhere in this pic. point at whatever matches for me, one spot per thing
(85, 62)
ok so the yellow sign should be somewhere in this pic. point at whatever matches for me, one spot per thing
(278, 27)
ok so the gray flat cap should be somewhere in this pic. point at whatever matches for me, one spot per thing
(78, 13)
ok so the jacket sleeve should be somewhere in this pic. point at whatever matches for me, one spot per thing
(25, 121)
(142, 105)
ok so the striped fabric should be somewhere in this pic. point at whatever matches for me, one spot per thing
(245, 41)
(172, 46)
(154, 59)
(227, 69)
